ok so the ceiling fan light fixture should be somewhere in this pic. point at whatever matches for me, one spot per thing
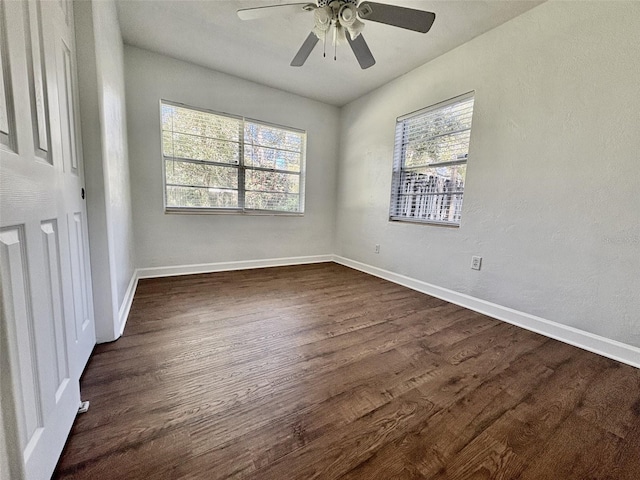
(348, 18)
(355, 29)
(321, 34)
(322, 17)
(347, 15)
(322, 20)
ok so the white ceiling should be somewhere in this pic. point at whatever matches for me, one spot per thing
(209, 33)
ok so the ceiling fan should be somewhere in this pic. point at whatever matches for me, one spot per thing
(345, 17)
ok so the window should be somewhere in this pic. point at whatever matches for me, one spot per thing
(216, 162)
(430, 162)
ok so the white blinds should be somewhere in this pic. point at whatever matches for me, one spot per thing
(215, 161)
(430, 162)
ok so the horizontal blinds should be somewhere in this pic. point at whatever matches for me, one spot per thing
(430, 156)
(219, 161)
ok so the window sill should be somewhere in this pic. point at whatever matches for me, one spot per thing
(221, 211)
(424, 222)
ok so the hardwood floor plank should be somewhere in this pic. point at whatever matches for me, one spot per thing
(330, 458)
(626, 457)
(592, 457)
(608, 403)
(320, 371)
(466, 413)
(521, 432)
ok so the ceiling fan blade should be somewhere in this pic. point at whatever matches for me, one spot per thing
(305, 51)
(271, 10)
(361, 51)
(403, 17)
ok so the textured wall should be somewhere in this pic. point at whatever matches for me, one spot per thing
(181, 239)
(110, 70)
(102, 110)
(552, 196)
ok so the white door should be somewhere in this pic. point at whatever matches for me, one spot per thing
(46, 298)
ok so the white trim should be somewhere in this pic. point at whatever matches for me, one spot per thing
(125, 308)
(154, 272)
(606, 347)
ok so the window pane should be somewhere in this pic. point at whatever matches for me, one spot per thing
(271, 181)
(272, 201)
(440, 121)
(268, 136)
(271, 158)
(432, 193)
(186, 173)
(201, 197)
(201, 148)
(167, 144)
(445, 148)
(195, 122)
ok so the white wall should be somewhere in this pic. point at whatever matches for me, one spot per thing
(104, 134)
(177, 239)
(552, 196)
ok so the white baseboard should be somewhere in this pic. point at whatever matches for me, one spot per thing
(154, 272)
(123, 314)
(579, 338)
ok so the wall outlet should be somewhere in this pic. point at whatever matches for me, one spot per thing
(377, 249)
(476, 263)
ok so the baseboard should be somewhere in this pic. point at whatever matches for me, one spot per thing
(579, 338)
(125, 308)
(154, 272)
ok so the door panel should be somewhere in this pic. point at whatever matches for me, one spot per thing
(53, 290)
(16, 300)
(78, 260)
(67, 114)
(46, 397)
(7, 120)
(38, 81)
(44, 261)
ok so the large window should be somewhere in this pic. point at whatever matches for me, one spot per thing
(430, 162)
(215, 162)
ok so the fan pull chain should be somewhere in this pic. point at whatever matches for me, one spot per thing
(335, 42)
(324, 46)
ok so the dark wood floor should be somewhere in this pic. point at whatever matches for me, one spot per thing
(324, 372)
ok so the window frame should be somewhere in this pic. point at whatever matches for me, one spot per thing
(240, 166)
(399, 158)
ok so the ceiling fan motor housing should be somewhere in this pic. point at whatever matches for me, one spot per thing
(326, 3)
